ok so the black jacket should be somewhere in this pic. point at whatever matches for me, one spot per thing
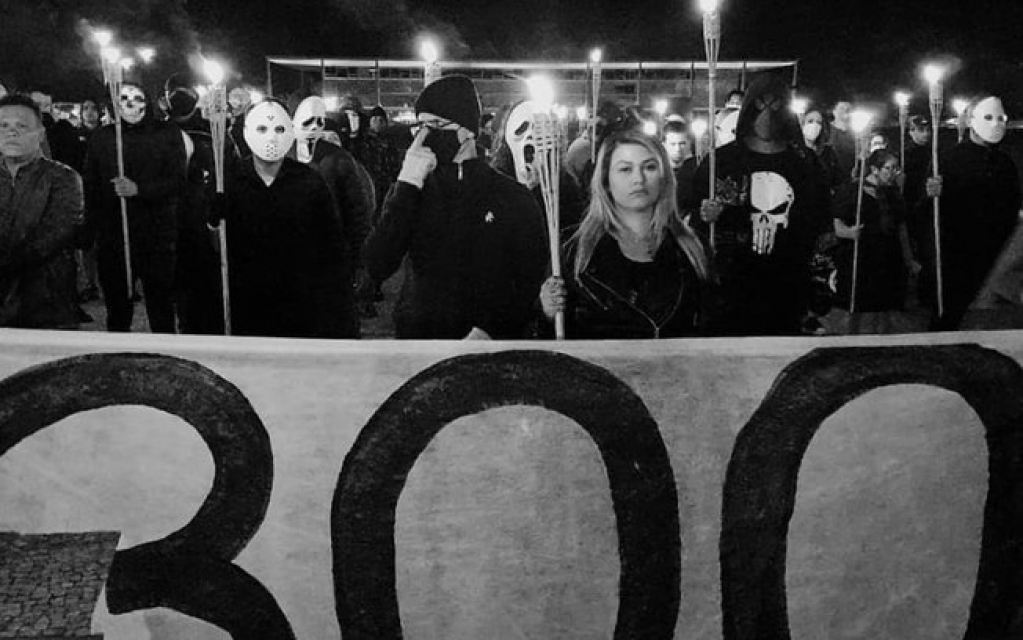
(616, 298)
(154, 158)
(285, 254)
(477, 253)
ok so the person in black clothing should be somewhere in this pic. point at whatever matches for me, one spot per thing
(474, 238)
(197, 279)
(770, 204)
(632, 269)
(979, 189)
(154, 169)
(350, 185)
(284, 242)
(679, 145)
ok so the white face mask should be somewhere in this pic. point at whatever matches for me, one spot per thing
(268, 131)
(310, 119)
(725, 128)
(353, 121)
(132, 104)
(988, 120)
(518, 134)
(811, 131)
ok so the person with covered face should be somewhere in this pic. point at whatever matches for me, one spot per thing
(769, 205)
(515, 156)
(885, 259)
(352, 188)
(475, 239)
(979, 188)
(633, 268)
(41, 204)
(154, 178)
(285, 250)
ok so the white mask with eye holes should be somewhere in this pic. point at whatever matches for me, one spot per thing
(132, 104)
(988, 120)
(518, 134)
(310, 121)
(268, 131)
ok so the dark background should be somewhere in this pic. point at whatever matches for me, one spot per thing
(860, 50)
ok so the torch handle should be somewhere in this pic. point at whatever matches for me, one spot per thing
(119, 143)
(856, 241)
(939, 278)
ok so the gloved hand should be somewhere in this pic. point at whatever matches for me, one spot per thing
(217, 210)
(419, 162)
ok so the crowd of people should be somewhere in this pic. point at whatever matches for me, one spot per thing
(318, 212)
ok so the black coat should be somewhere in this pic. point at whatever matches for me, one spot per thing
(285, 253)
(154, 158)
(477, 253)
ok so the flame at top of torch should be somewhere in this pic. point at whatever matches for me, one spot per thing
(859, 120)
(699, 127)
(933, 74)
(214, 71)
(103, 37)
(146, 54)
(541, 91)
(901, 98)
(428, 51)
(111, 54)
(596, 55)
(709, 6)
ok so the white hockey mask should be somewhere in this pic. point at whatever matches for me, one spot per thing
(724, 127)
(988, 120)
(518, 135)
(772, 197)
(132, 104)
(268, 131)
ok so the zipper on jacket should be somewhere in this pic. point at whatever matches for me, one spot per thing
(657, 328)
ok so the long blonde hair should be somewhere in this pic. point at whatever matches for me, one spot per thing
(602, 216)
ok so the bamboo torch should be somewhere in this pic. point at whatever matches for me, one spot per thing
(860, 121)
(712, 44)
(933, 74)
(216, 113)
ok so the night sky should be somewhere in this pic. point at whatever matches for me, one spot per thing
(862, 49)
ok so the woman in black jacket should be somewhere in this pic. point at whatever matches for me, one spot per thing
(633, 268)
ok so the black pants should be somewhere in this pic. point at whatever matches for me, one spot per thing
(200, 308)
(154, 266)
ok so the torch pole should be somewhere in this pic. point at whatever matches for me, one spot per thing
(712, 42)
(113, 73)
(217, 115)
(596, 73)
(859, 212)
(936, 100)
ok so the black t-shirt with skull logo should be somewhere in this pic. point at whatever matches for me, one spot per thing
(773, 204)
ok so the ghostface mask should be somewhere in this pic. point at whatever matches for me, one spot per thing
(724, 126)
(268, 131)
(988, 120)
(132, 104)
(310, 120)
(518, 134)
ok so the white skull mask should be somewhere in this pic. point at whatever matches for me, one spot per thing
(518, 134)
(988, 120)
(310, 120)
(724, 127)
(268, 131)
(769, 192)
(132, 104)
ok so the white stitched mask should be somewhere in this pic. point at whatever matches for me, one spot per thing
(518, 134)
(988, 120)
(268, 131)
(132, 104)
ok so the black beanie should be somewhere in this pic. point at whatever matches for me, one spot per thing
(453, 97)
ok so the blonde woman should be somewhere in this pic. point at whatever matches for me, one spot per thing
(632, 268)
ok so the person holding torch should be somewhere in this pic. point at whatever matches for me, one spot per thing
(153, 179)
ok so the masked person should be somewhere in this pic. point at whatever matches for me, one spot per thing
(979, 189)
(350, 185)
(41, 204)
(475, 239)
(516, 156)
(285, 250)
(769, 205)
(154, 178)
(197, 279)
